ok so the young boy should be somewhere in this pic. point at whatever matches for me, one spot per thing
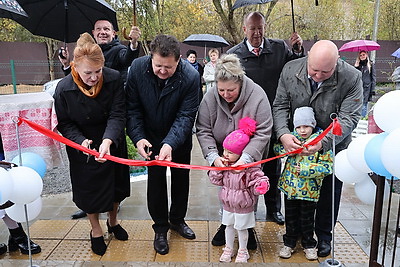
(300, 182)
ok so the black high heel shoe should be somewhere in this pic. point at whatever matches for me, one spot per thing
(19, 240)
(118, 231)
(99, 247)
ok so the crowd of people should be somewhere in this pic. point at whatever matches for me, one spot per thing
(263, 97)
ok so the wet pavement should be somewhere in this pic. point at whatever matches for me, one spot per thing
(65, 242)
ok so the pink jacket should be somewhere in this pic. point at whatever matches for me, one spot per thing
(238, 192)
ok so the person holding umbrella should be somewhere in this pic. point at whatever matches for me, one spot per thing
(117, 56)
(263, 60)
(367, 68)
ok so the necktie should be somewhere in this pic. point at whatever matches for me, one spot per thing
(314, 85)
(256, 51)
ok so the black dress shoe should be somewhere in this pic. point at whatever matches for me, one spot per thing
(251, 242)
(161, 243)
(99, 247)
(19, 240)
(277, 217)
(184, 230)
(219, 237)
(3, 248)
(78, 214)
(118, 231)
(324, 248)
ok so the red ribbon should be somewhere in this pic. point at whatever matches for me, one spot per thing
(132, 162)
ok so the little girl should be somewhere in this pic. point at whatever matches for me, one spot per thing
(239, 190)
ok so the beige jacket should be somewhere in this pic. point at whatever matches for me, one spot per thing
(215, 121)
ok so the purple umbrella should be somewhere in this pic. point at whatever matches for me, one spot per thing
(396, 53)
(360, 45)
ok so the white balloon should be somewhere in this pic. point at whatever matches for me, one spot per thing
(345, 172)
(17, 211)
(390, 153)
(387, 111)
(28, 185)
(355, 152)
(6, 186)
(366, 191)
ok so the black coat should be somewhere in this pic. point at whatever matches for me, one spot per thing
(369, 81)
(95, 185)
(117, 56)
(265, 69)
(162, 115)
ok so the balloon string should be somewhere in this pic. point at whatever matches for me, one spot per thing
(132, 162)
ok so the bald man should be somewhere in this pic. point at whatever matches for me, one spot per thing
(337, 90)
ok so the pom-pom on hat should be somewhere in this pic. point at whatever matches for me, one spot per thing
(304, 116)
(237, 140)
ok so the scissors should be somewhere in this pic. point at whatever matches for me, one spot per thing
(89, 155)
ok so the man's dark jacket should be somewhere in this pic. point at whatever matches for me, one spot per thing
(117, 56)
(162, 115)
(266, 68)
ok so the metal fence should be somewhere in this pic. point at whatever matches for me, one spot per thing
(37, 72)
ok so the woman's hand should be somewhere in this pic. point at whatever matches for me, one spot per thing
(104, 149)
(86, 143)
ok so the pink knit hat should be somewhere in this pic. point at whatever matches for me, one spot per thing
(237, 140)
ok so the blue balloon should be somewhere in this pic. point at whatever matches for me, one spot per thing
(372, 155)
(33, 161)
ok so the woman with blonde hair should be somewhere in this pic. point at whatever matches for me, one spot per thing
(209, 68)
(367, 68)
(235, 96)
(90, 107)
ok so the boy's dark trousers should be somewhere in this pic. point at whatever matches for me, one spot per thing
(299, 221)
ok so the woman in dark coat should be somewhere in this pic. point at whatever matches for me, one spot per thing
(90, 107)
(367, 68)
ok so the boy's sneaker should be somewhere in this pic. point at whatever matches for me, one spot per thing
(219, 237)
(286, 252)
(311, 253)
(242, 256)
(226, 255)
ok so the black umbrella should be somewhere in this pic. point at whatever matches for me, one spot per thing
(65, 20)
(206, 40)
(11, 9)
(242, 3)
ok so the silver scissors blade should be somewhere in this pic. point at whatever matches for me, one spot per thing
(88, 156)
